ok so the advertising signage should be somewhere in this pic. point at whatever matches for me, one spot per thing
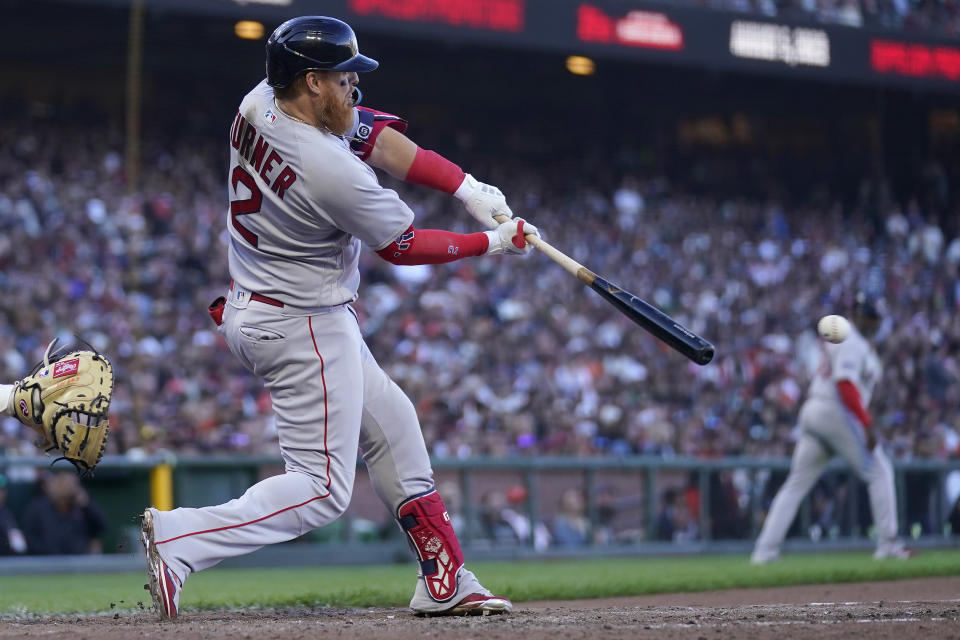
(914, 60)
(727, 41)
(492, 15)
(791, 46)
(648, 29)
(658, 32)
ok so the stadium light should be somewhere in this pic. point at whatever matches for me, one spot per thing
(580, 65)
(249, 29)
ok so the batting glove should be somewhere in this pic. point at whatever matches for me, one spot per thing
(483, 201)
(511, 237)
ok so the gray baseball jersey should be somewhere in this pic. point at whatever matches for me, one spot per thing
(300, 204)
(828, 428)
(855, 360)
(293, 238)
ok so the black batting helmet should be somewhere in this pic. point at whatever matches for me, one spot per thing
(313, 42)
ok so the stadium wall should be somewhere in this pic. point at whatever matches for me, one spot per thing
(622, 495)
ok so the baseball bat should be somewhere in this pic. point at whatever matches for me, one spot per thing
(651, 319)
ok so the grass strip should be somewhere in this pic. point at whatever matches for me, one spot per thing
(392, 586)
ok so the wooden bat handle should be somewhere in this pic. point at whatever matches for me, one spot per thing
(570, 265)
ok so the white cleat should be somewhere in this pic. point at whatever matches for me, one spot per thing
(476, 604)
(761, 558)
(899, 552)
(164, 586)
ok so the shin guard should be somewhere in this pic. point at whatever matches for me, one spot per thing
(427, 522)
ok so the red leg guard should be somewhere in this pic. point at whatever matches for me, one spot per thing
(427, 522)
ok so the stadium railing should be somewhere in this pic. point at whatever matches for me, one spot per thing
(628, 488)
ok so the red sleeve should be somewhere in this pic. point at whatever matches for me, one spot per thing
(432, 246)
(372, 122)
(851, 399)
(430, 169)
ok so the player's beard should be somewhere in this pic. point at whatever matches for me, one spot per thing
(334, 113)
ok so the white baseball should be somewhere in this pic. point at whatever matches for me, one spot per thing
(833, 328)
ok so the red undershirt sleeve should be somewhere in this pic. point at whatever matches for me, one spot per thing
(433, 246)
(430, 169)
(851, 399)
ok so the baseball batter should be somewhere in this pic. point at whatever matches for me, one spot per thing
(834, 421)
(302, 200)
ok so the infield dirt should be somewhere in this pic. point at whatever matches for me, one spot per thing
(906, 609)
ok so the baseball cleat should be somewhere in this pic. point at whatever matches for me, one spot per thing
(761, 558)
(897, 553)
(476, 604)
(164, 586)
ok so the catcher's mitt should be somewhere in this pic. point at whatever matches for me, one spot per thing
(65, 399)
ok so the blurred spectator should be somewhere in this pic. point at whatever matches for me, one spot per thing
(691, 497)
(11, 538)
(570, 527)
(495, 526)
(62, 520)
(828, 500)
(953, 518)
(504, 522)
(674, 522)
(728, 517)
(921, 490)
(605, 505)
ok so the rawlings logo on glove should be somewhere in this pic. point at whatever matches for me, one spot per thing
(67, 368)
(65, 399)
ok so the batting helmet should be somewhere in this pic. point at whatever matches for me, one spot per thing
(313, 42)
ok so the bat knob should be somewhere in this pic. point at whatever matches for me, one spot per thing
(704, 354)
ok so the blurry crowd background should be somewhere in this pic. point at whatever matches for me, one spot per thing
(501, 356)
(744, 206)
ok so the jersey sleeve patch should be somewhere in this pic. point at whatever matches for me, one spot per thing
(371, 123)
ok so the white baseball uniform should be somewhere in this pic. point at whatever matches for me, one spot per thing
(301, 204)
(828, 428)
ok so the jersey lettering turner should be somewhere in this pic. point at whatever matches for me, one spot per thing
(260, 156)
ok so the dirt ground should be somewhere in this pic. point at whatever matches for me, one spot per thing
(928, 608)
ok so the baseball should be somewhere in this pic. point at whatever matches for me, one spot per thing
(833, 328)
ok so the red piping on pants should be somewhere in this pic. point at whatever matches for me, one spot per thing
(325, 452)
(243, 524)
(324, 381)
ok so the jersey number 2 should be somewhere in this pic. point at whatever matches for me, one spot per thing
(243, 207)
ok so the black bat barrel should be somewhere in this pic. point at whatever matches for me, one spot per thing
(655, 321)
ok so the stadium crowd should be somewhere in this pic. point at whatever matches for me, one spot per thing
(133, 273)
(939, 17)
